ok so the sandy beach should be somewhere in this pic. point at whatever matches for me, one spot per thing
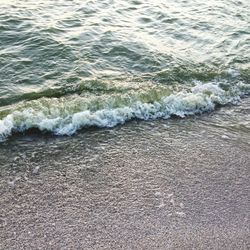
(175, 184)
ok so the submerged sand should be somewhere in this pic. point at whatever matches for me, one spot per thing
(175, 184)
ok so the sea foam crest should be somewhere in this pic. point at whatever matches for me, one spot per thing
(201, 98)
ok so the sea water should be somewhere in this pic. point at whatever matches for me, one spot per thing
(71, 65)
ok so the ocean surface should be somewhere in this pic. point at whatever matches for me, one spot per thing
(124, 124)
(66, 66)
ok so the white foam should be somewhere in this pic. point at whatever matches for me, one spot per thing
(233, 72)
(6, 126)
(63, 121)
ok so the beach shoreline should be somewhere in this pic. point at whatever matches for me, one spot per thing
(173, 184)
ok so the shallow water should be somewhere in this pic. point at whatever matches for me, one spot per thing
(175, 184)
(66, 65)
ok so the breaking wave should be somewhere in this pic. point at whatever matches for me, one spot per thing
(65, 115)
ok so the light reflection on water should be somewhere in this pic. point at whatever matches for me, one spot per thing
(68, 50)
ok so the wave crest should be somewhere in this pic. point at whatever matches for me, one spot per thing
(64, 116)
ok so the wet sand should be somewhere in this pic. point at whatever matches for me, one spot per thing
(176, 184)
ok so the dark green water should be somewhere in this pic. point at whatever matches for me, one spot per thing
(66, 65)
